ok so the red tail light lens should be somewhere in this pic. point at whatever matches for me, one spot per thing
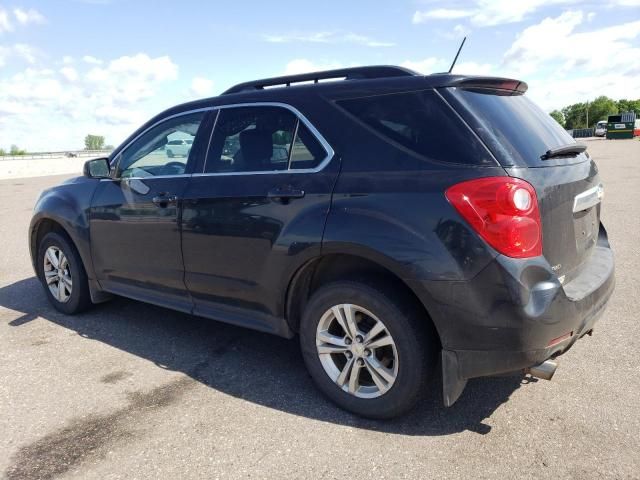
(503, 211)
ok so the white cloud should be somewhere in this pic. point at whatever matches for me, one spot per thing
(435, 65)
(460, 31)
(302, 65)
(441, 14)
(554, 41)
(129, 79)
(327, 37)
(69, 73)
(42, 109)
(201, 87)
(563, 92)
(25, 17)
(485, 13)
(474, 68)
(5, 22)
(427, 66)
(18, 50)
(564, 64)
(91, 60)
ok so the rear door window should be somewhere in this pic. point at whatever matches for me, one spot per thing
(422, 123)
(262, 139)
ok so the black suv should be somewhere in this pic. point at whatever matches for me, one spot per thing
(396, 222)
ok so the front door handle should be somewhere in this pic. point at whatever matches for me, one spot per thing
(164, 200)
(285, 193)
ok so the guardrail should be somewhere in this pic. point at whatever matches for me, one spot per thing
(66, 153)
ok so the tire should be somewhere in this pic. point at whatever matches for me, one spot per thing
(79, 298)
(414, 347)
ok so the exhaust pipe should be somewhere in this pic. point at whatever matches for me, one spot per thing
(545, 370)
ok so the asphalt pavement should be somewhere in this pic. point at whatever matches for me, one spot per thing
(133, 391)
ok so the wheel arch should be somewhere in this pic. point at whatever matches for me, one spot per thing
(40, 227)
(347, 266)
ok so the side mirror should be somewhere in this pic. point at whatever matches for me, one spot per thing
(97, 168)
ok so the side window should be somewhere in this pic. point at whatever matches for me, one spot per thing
(163, 150)
(261, 139)
(251, 139)
(420, 122)
(307, 152)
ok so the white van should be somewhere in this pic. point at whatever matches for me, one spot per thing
(601, 128)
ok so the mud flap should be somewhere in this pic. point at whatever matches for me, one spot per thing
(452, 384)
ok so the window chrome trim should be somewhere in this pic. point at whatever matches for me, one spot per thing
(293, 142)
(330, 153)
(151, 177)
(213, 129)
(314, 131)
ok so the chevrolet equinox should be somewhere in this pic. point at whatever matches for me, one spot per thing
(395, 222)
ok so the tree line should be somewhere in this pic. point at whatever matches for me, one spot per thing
(587, 114)
(14, 150)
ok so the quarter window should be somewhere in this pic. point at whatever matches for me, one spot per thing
(163, 150)
(261, 139)
(422, 123)
(306, 151)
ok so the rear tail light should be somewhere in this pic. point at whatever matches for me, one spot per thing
(503, 211)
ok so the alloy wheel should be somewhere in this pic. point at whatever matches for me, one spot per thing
(57, 274)
(357, 351)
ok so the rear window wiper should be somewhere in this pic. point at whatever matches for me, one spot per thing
(565, 150)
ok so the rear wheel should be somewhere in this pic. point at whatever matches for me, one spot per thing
(62, 274)
(367, 353)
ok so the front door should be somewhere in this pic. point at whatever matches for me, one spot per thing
(256, 212)
(134, 220)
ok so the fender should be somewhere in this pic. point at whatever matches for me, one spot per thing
(68, 206)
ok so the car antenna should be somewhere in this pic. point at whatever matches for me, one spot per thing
(456, 59)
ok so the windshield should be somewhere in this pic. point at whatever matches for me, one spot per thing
(515, 129)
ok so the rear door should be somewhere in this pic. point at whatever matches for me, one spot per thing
(568, 186)
(257, 212)
(134, 220)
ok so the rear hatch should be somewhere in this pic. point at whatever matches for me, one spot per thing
(532, 146)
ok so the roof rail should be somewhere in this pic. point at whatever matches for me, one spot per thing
(378, 71)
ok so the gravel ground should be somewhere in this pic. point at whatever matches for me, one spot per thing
(129, 390)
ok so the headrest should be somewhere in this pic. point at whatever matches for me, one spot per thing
(257, 148)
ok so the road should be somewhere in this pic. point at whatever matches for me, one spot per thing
(129, 390)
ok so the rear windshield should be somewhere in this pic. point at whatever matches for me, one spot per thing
(422, 123)
(515, 129)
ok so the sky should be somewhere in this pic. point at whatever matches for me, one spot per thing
(69, 68)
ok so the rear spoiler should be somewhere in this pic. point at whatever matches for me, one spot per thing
(505, 86)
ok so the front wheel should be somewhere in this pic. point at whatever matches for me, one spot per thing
(62, 274)
(369, 352)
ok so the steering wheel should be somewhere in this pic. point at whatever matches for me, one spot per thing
(174, 168)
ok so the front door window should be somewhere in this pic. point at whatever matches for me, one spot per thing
(163, 150)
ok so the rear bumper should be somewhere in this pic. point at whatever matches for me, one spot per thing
(512, 314)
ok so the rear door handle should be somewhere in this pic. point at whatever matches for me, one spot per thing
(164, 200)
(285, 193)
